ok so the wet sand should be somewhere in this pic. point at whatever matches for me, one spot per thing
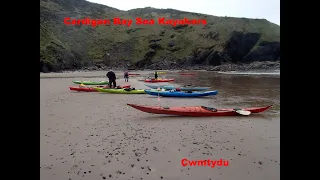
(96, 136)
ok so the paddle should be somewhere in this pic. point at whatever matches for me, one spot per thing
(239, 111)
(242, 112)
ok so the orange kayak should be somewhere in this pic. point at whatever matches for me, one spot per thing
(196, 111)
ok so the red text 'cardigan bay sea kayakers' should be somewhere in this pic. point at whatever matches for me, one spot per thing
(206, 162)
(129, 22)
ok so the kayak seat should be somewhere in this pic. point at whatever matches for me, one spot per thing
(129, 89)
(236, 109)
(166, 107)
(188, 91)
(209, 108)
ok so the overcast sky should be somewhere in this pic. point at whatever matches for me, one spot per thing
(264, 9)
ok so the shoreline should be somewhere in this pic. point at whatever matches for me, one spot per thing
(265, 67)
(101, 74)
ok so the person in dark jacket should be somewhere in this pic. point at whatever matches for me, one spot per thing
(155, 75)
(112, 78)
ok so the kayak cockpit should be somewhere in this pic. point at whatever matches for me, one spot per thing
(209, 108)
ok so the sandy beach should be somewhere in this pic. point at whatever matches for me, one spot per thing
(95, 135)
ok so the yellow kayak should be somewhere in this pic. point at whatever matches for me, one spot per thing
(161, 72)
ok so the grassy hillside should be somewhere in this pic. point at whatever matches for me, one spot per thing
(222, 39)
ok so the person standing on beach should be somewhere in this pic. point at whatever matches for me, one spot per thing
(126, 76)
(112, 78)
(155, 75)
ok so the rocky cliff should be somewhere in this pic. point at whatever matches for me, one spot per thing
(220, 41)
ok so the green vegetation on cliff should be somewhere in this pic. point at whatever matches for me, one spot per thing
(222, 39)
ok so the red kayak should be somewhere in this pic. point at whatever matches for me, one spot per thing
(197, 111)
(188, 74)
(92, 89)
(133, 74)
(158, 80)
